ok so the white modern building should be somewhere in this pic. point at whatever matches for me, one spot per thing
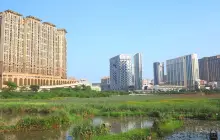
(120, 72)
(183, 71)
(138, 71)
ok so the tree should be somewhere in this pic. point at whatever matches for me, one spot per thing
(34, 88)
(11, 85)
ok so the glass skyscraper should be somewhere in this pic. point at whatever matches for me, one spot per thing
(158, 73)
(183, 71)
(138, 71)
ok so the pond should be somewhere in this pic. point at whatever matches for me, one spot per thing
(195, 130)
(192, 130)
(118, 125)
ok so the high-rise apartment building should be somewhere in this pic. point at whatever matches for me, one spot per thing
(138, 71)
(31, 52)
(183, 71)
(209, 68)
(158, 73)
(120, 72)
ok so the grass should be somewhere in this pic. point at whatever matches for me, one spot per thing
(61, 111)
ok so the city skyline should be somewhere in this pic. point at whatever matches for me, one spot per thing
(147, 27)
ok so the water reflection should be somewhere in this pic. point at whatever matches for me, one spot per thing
(35, 135)
(13, 118)
(118, 125)
(195, 130)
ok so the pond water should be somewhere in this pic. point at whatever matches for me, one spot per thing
(192, 130)
(118, 125)
(195, 130)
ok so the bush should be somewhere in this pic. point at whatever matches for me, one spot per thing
(34, 88)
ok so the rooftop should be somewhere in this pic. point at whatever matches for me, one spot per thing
(48, 23)
(106, 77)
(13, 12)
(62, 30)
(35, 18)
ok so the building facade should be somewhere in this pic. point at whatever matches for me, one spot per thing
(31, 52)
(120, 72)
(138, 71)
(105, 83)
(183, 71)
(209, 68)
(158, 73)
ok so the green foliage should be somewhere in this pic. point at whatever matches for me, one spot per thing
(86, 130)
(80, 92)
(11, 85)
(34, 88)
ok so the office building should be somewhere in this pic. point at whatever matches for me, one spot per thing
(158, 73)
(209, 68)
(183, 71)
(105, 83)
(138, 71)
(120, 72)
(31, 52)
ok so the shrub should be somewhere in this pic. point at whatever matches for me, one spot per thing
(34, 88)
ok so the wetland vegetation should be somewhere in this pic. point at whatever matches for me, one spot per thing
(75, 109)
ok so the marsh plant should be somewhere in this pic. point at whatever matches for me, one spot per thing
(85, 130)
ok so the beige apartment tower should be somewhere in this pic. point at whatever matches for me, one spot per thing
(31, 52)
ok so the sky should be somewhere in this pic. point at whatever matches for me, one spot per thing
(101, 29)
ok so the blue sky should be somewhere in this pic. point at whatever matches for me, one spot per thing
(101, 29)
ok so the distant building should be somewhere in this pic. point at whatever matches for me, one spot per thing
(165, 79)
(203, 82)
(120, 72)
(85, 82)
(167, 87)
(183, 71)
(209, 68)
(138, 71)
(146, 83)
(158, 73)
(96, 86)
(105, 83)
